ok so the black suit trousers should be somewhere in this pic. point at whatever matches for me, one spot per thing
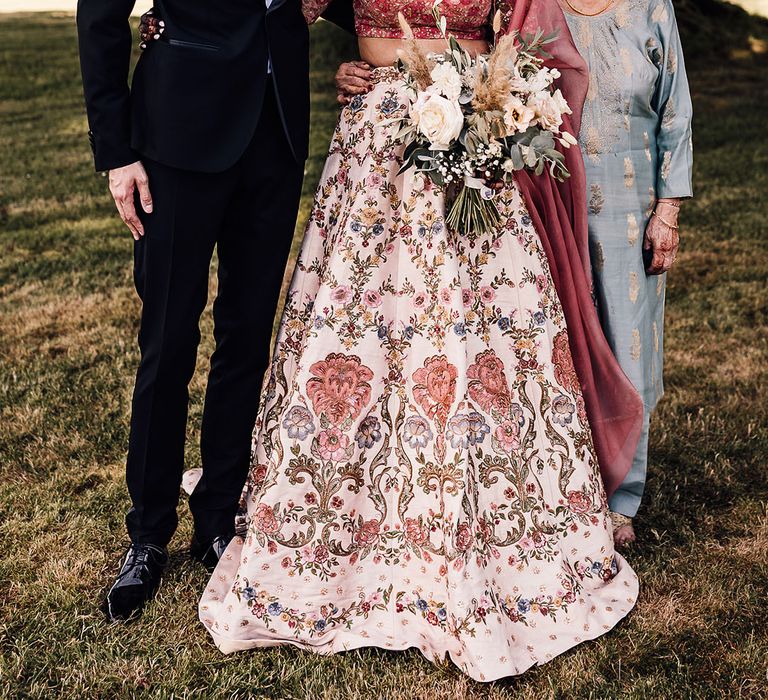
(248, 214)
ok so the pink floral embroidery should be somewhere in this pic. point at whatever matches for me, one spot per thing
(487, 383)
(435, 387)
(333, 444)
(565, 372)
(415, 532)
(368, 534)
(508, 435)
(372, 298)
(464, 538)
(264, 519)
(579, 502)
(339, 388)
(342, 294)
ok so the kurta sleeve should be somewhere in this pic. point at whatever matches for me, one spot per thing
(672, 103)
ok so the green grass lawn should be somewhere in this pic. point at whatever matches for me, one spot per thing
(68, 320)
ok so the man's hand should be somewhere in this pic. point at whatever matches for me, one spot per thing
(661, 237)
(353, 78)
(123, 182)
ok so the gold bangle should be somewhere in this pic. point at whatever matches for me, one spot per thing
(666, 223)
(669, 203)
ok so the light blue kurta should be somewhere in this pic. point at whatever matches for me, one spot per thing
(636, 139)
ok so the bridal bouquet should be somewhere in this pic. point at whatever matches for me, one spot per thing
(473, 121)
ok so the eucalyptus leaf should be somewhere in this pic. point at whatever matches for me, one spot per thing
(516, 157)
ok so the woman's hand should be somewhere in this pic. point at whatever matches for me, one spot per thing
(662, 238)
(150, 28)
(353, 78)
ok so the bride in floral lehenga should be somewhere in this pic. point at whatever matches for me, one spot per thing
(423, 468)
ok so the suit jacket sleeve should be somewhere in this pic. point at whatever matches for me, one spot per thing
(340, 12)
(104, 37)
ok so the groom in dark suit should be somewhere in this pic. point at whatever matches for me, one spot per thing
(206, 149)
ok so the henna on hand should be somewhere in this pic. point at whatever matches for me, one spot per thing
(662, 238)
(151, 28)
(352, 78)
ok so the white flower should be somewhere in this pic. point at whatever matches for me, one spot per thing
(540, 81)
(517, 82)
(562, 103)
(568, 136)
(439, 120)
(548, 111)
(447, 80)
(517, 115)
(494, 149)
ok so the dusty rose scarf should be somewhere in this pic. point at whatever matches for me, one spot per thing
(559, 213)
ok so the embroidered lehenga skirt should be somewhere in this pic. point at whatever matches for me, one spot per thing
(423, 472)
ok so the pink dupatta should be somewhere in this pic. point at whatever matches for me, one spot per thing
(559, 213)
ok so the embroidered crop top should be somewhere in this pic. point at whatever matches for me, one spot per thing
(467, 19)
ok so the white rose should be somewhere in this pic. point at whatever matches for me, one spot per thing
(547, 110)
(540, 80)
(517, 82)
(447, 80)
(439, 120)
(561, 103)
(517, 115)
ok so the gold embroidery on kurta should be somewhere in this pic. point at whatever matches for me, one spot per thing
(592, 89)
(626, 61)
(622, 15)
(629, 173)
(655, 337)
(634, 287)
(596, 200)
(651, 202)
(633, 230)
(669, 115)
(672, 62)
(652, 50)
(636, 346)
(592, 145)
(666, 165)
(659, 285)
(603, 115)
(660, 13)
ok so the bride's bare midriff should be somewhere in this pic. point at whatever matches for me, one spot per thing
(384, 52)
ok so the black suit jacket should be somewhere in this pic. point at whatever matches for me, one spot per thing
(197, 93)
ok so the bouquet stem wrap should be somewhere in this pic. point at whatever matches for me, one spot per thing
(470, 211)
(559, 213)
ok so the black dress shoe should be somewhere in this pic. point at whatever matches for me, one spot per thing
(138, 580)
(208, 552)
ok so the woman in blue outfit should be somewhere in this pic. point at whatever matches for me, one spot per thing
(636, 139)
